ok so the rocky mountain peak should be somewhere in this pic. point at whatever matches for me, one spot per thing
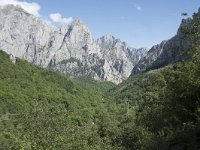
(112, 43)
(79, 33)
(71, 49)
(167, 52)
(17, 11)
(107, 39)
(74, 25)
(78, 22)
(11, 7)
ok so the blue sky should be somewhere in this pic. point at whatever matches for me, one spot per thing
(141, 23)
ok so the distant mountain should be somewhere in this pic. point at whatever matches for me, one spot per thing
(167, 52)
(119, 57)
(71, 49)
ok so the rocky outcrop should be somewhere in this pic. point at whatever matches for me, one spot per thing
(119, 57)
(71, 49)
(167, 52)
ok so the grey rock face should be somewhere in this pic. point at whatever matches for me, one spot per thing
(120, 58)
(70, 49)
(25, 36)
(167, 52)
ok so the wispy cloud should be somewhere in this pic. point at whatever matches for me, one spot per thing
(138, 7)
(32, 7)
(57, 18)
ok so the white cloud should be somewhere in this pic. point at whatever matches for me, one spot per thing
(57, 18)
(138, 7)
(32, 8)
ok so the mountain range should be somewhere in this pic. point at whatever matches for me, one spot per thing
(156, 107)
(167, 52)
(70, 49)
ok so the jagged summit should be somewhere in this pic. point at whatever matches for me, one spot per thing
(109, 40)
(78, 22)
(71, 49)
(106, 39)
(11, 7)
(167, 52)
(114, 46)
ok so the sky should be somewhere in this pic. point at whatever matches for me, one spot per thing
(140, 23)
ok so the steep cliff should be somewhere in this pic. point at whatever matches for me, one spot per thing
(71, 49)
(167, 52)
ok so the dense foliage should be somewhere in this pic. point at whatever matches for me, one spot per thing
(42, 109)
(166, 102)
(156, 110)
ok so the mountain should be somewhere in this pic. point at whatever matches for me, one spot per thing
(44, 109)
(167, 52)
(71, 49)
(119, 57)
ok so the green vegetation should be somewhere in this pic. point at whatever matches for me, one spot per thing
(166, 103)
(44, 110)
(99, 86)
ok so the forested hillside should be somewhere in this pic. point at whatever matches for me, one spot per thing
(166, 102)
(155, 110)
(42, 109)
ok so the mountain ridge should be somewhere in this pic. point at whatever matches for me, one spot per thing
(167, 52)
(71, 49)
